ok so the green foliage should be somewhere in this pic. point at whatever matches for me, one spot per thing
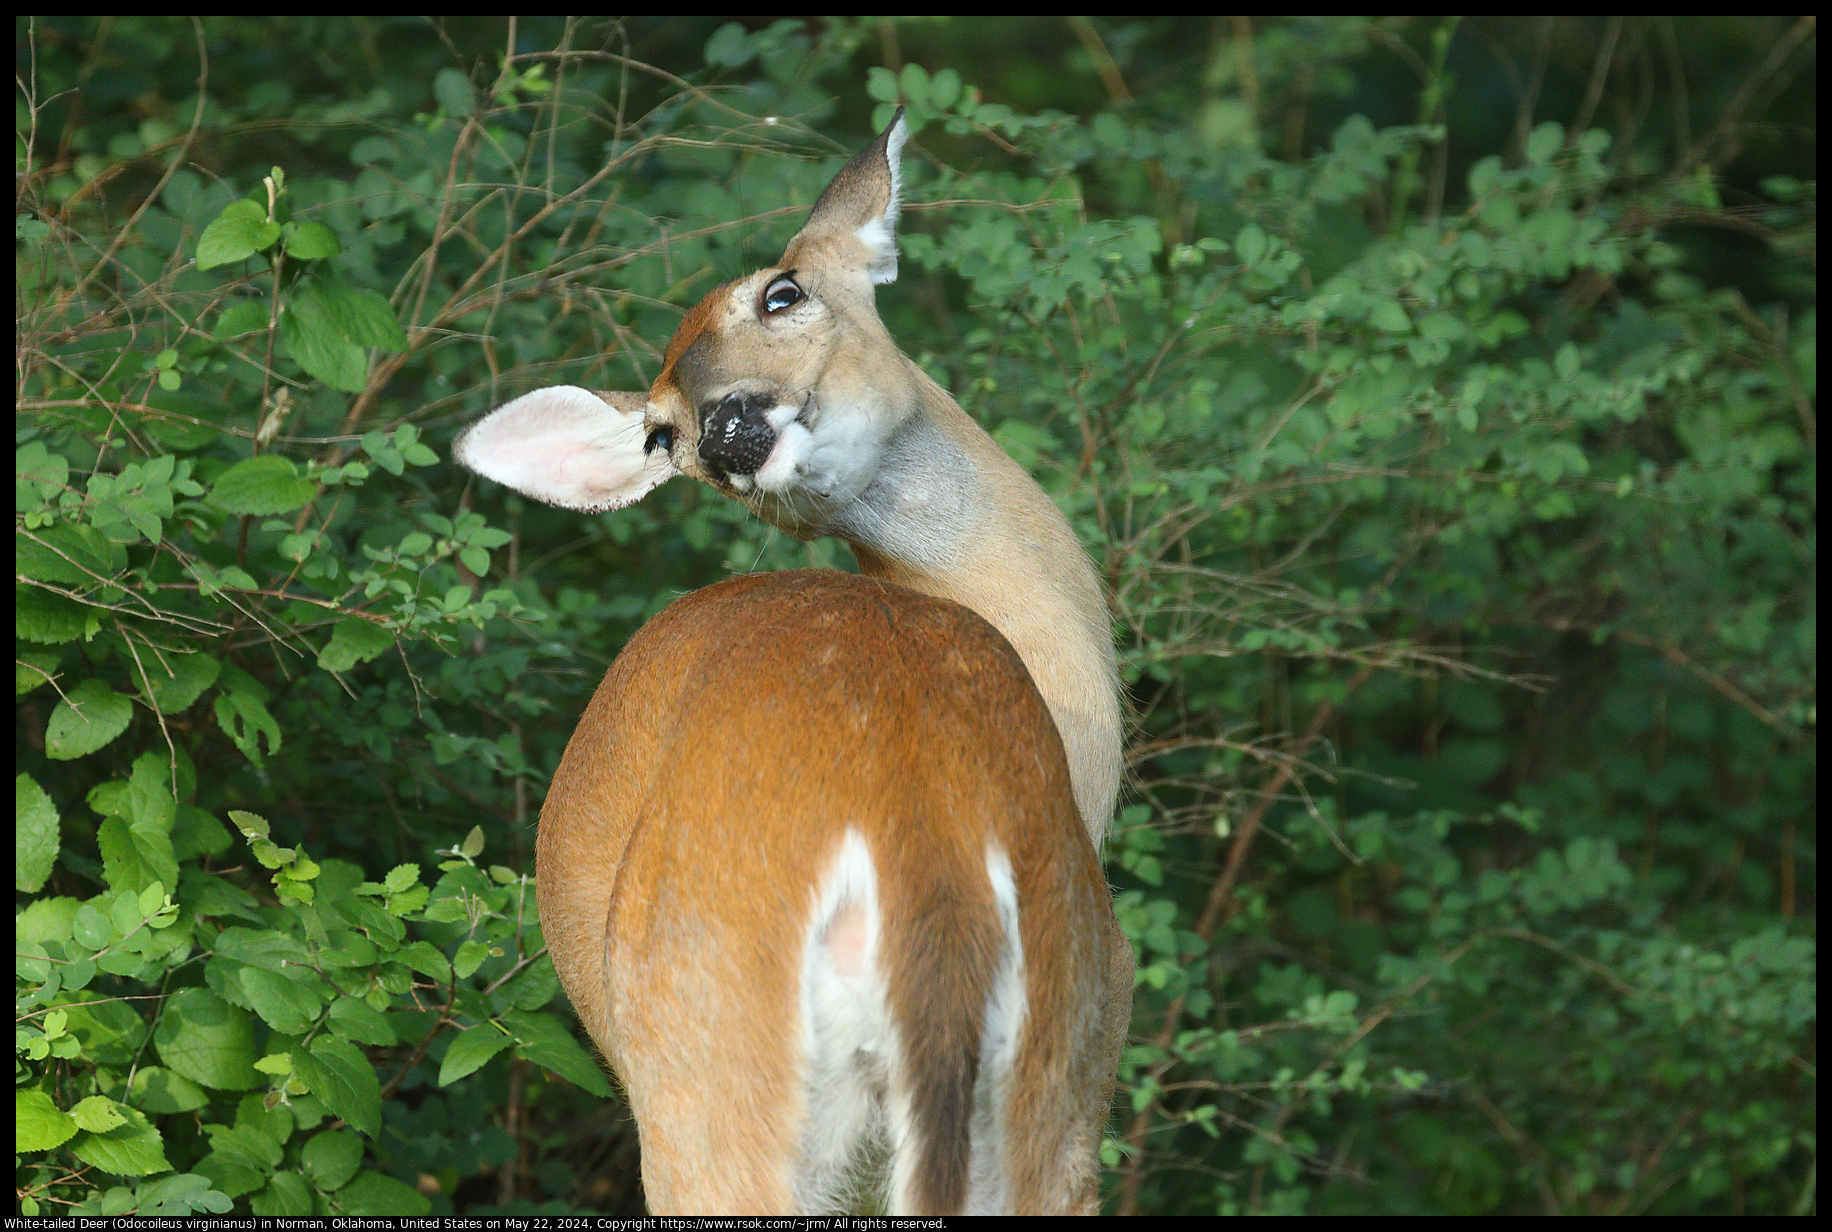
(278, 1001)
(1456, 492)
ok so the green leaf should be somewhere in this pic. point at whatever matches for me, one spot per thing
(470, 1051)
(69, 553)
(313, 241)
(331, 1158)
(40, 616)
(269, 949)
(286, 1194)
(547, 1041)
(353, 641)
(137, 855)
(1389, 317)
(38, 1124)
(240, 231)
(157, 1089)
(470, 956)
(320, 350)
(1251, 245)
(264, 485)
(244, 316)
(253, 825)
(288, 1006)
(180, 679)
(915, 82)
(536, 986)
(241, 711)
(347, 948)
(225, 1175)
(1544, 142)
(1566, 362)
(204, 1038)
(729, 47)
(376, 1193)
(945, 89)
(91, 928)
(881, 84)
(453, 90)
(1444, 325)
(132, 1147)
(251, 1146)
(361, 315)
(338, 1073)
(424, 957)
(97, 1114)
(92, 715)
(174, 1197)
(35, 836)
(327, 325)
(356, 1019)
(47, 919)
(33, 668)
(39, 475)
(112, 1033)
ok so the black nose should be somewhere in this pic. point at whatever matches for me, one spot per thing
(734, 436)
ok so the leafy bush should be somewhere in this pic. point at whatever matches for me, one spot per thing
(1457, 508)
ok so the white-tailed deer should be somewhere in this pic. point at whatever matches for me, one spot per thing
(818, 869)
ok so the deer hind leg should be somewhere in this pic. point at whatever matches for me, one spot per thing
(1057, 1103)
(715, 1093)
(703, 1036)
(763, 1083)
(708, 1150)
(1055, 1109)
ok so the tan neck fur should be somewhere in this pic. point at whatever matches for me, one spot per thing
(952, 515)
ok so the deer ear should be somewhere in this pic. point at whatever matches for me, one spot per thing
(855, 220)
(570, 447)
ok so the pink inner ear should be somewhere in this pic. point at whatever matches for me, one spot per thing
(569, 447)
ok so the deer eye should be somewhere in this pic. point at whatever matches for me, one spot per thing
(782, 293)
(660, 438)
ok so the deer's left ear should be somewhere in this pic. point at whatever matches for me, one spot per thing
(855, 221)
(569, 447)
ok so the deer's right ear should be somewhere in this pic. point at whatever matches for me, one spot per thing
(570, 447)
(860, 208)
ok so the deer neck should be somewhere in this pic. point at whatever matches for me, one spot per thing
(950, 514)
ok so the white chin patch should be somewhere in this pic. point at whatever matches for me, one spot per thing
(793, 445)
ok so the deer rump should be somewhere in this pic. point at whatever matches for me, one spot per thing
(856, 903)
